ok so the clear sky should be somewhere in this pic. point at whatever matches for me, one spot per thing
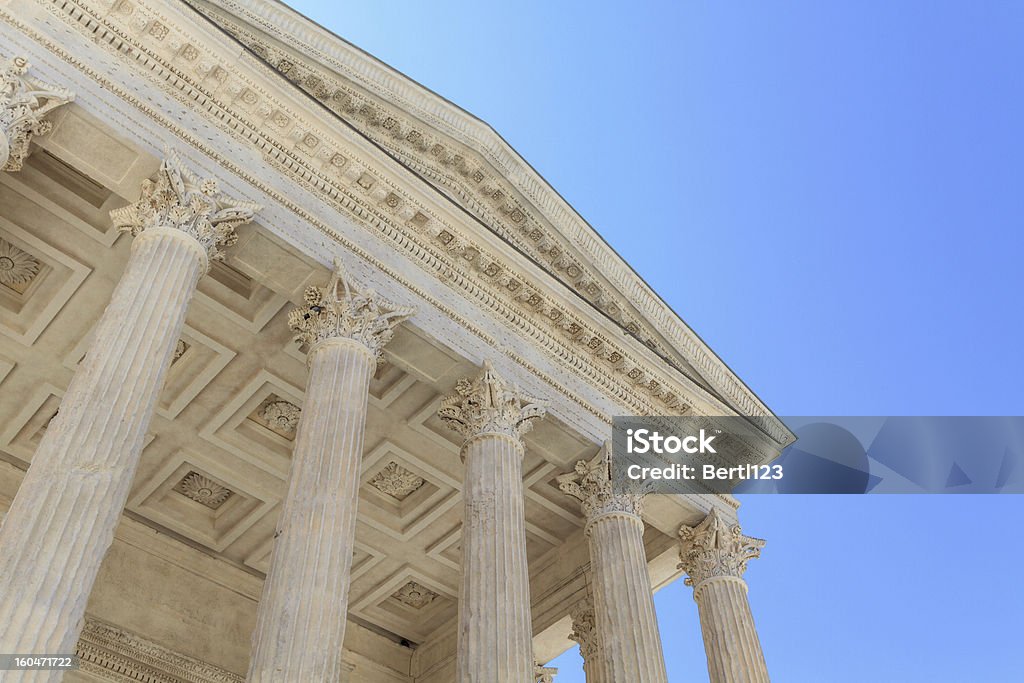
(832, 196)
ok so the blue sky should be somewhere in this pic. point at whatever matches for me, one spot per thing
(832, 196)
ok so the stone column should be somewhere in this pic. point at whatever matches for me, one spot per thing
(623, 602)
(24, 102)
(715, 555)
(584, 632)
(300, 625)
(495, 629)
(63, 517)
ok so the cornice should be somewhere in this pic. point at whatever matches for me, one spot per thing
(238, 96)
(488, 175)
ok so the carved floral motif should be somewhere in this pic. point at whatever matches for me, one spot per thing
(584, 629)
(714, 548)
(591, 484)
(342, 310)
(179, 199)
(282, 416)
(179, 350)
(24, 102)
(396, 481)
(415, 595)
(203, 490)
(17, 267)
(489, 404)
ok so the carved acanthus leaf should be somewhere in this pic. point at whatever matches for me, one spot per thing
(343, 310)
(591, 484)
(24, 102)
(489, 404)
(584, 629)
(396, 481)
(714, 548)
(282, 415)
(181, 200)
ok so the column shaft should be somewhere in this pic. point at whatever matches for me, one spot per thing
(63, 517)
(302, 614)
(300, 627)
(623, 603)
(495, 630)
(727, 625)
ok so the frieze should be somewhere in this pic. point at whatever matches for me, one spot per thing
(316, 45)
(113, 654)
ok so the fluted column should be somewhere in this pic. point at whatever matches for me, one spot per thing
(495, 630)
(300, 625)
(715, 556)
(24, 104)
(63, 517)
(623, 602)
(584, 632)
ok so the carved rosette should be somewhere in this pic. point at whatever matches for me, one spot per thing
(591, 484)
(490, 405)
(713, 548)
(282, 415)
(24, 102)
(584, 629)
(342, 310)
(180, 200)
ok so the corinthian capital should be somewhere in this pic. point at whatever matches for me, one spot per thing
(584, 629)
(24, 102)
(713, 548)
(488, 404)
(181, 200)
(591, 484)
(342, 310)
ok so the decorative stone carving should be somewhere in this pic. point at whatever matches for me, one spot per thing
(415, 595)
(343, 310)
(24, 102)
(713, 548)
(17, 267)
(488, 404)
(584, 629)
(181, 200)
(111, 653)
(396, 481)
(623, 609)
(544, 674)
(282, 416)
(591, 484)
(179, 350)
(203, 490)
